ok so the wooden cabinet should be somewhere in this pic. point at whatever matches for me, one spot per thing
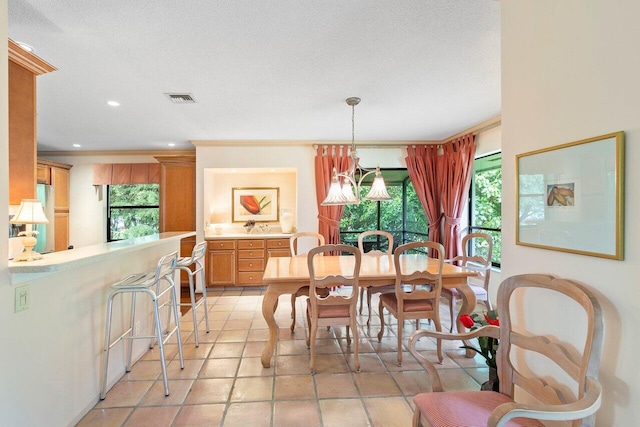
(278, 247)
(241, 262)
(250, 262)
(178, 200)
(221, 263)
(57, 175)
(23, 69)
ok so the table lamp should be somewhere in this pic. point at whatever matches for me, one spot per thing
(30, 212)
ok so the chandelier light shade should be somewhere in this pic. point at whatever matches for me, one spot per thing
(30, 212)
(345, 186)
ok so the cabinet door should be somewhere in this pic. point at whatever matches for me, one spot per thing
(60, 182)
(221, 268)
(61, 231)
(43, 174)
(278, 248)
(177, 196)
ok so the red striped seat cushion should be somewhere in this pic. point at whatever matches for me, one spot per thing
(464, 408)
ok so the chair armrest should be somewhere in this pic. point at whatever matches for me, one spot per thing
(581, 408)
(436, 384)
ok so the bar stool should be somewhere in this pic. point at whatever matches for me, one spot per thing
(134, 284)
(197, 260)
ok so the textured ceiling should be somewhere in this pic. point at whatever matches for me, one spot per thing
(261, 69)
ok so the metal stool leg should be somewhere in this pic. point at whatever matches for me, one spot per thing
(158, 328)
(192, 294)
(204, 296)
(105, 356)
(177, 328)
(129, 342)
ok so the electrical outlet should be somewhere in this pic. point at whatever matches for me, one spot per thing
(22, 298)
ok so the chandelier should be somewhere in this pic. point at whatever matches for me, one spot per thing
(345, 186)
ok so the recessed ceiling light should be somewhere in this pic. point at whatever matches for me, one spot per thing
(113, 103)
(26, 47)
(77, 145)
(171, 144)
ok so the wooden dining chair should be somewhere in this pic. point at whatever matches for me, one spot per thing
(479, 263)
(332, 298)
(370, 290)
(555, 380)
(417, 293)
(311, 239)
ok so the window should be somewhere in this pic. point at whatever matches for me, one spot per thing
(132, 211)
(485, 203)
(402, 216)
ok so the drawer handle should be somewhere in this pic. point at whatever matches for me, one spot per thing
(221, 244)
(250, 265)
(279, 243)
(250, 277)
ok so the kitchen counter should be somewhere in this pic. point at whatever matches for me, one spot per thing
(70, 259)
(254, 235)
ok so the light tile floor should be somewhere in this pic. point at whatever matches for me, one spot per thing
(224, 384)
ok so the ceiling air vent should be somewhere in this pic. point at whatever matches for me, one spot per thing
(181, 98)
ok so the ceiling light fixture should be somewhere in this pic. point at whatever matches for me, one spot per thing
(77, 145)
(171, 144)
(26, 47)
(113, 103)
(348, 192)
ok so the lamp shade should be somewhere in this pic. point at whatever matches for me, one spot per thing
(30, 212)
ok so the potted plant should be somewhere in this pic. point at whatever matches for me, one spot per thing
(488, 345)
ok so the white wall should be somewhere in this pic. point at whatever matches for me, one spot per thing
(88, 204)
(570, 72)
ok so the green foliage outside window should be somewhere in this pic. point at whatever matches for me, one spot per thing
(486, 204)
(133, 211)
(403, 218)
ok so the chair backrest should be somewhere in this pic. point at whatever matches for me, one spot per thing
(166, 267)
(479, 263)
(431, 276)
(365, 234)
(197, 254)
(317, 238)
(319, 280)
(580, 365)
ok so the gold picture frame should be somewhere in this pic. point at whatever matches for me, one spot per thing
(570, 197)
(260, 204)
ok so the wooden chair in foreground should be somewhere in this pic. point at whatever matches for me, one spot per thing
(379, 289)
(478, 263)
(420, 300)
(539, 360)
(337, 308)
(294, 240)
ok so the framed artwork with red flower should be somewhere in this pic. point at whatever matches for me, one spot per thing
(259, 204)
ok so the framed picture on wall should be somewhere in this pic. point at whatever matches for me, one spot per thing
(571, 197)
(255, 203)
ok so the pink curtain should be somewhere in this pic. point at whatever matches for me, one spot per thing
(328, 157)
(454, 175)
(422, 165)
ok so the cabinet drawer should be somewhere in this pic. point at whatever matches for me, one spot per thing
(278, 252)
(278, 244)
(250, 278)
(250, 253)
(251, 264)
(250, 244)
(214, 245)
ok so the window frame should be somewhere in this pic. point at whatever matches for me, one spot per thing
(480, 229)
(403, 233)
(109, 207)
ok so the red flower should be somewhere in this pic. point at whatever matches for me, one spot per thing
(467, 321)
(494, 322)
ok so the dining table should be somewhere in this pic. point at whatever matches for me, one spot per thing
(285, 275)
